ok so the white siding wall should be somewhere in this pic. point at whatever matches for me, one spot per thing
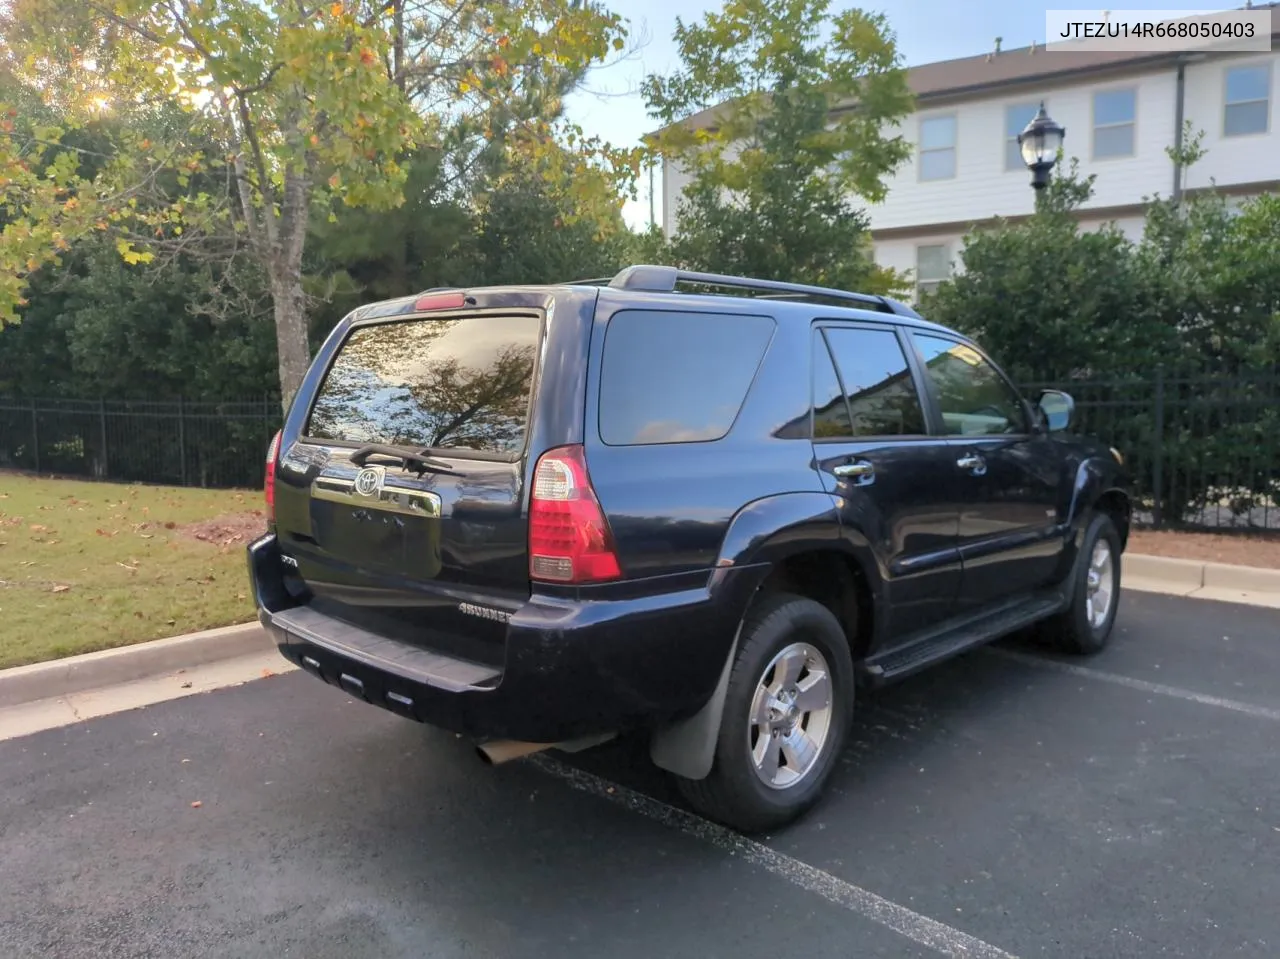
(1236, 159)
(983, 187)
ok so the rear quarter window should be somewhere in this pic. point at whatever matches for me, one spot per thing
(677, 377)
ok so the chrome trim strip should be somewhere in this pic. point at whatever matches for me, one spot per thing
(388, 498)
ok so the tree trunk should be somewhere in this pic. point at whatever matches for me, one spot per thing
(397, 59)
(291, 333)
(289, 300)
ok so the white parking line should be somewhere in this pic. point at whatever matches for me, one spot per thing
(1159, 689)
(919, 929)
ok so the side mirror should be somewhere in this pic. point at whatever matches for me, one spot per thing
(1058, 409)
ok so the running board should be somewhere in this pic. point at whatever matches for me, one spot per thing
(953, 638)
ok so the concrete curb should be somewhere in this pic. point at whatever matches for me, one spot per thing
(110, 667)
(1250, 585)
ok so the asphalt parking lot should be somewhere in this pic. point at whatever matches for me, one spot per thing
(1006, 804)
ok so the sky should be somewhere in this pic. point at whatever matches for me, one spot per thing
(610, 105)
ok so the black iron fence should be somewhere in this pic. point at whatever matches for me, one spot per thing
(1204, 451)
(217, 445)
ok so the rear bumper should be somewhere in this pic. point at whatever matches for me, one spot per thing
(572, 668)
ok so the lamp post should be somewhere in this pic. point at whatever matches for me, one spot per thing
(1039, 144)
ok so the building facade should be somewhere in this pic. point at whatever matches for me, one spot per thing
(1121, 111)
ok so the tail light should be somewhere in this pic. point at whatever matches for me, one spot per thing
(269, 485)
(569, 537)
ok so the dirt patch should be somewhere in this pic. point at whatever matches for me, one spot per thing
(1242, 550)
(230, 529)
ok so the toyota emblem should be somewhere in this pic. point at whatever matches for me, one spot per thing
(368, 480)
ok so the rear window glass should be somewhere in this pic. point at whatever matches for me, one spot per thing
(451, 383)
(677, 377)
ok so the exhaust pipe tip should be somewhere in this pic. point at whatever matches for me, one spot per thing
(498, 751)
(504, 750)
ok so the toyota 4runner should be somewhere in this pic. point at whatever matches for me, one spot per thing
(700, 507)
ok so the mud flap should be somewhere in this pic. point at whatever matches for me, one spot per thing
(688, 747)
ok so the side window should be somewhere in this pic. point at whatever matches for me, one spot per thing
(830, 412)
(974, 399)
(877, 383)
(677, 377)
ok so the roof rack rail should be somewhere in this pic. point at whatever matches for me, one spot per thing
(664, 279)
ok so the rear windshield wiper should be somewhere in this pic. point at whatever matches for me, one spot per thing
(418, 460)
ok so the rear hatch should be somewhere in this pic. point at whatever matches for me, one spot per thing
(401, 499)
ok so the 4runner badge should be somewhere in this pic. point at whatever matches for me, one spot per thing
(484, 612)
(368, 480)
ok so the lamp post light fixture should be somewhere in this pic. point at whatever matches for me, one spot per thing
(1039, 144)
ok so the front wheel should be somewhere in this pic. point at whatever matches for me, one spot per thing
(786, 717)
(1085, 626)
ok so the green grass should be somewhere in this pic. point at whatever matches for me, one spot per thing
(87, 566)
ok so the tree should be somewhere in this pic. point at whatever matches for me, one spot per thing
(802, 108)
(298, 96)
(314, 107)
(1168, 344)
(1045, 295)
(98, 327)
(551, 217)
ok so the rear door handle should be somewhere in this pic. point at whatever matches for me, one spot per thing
(973, 463)
(859, 470)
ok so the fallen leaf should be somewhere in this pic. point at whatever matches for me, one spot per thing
(37, 528)
(267, 673)
(197, 804)
(132, 569)
(61, 589)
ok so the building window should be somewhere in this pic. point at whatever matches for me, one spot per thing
(1016, 119)
(1114, 117)
(1247, 107)
(932, 267)
(938, 148)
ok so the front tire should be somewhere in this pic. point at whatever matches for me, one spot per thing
(1085, 627)
(786, 717)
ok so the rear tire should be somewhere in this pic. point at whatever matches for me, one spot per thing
(1085, 626)
(786, 717)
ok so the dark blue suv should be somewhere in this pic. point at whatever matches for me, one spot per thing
(700, 507)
